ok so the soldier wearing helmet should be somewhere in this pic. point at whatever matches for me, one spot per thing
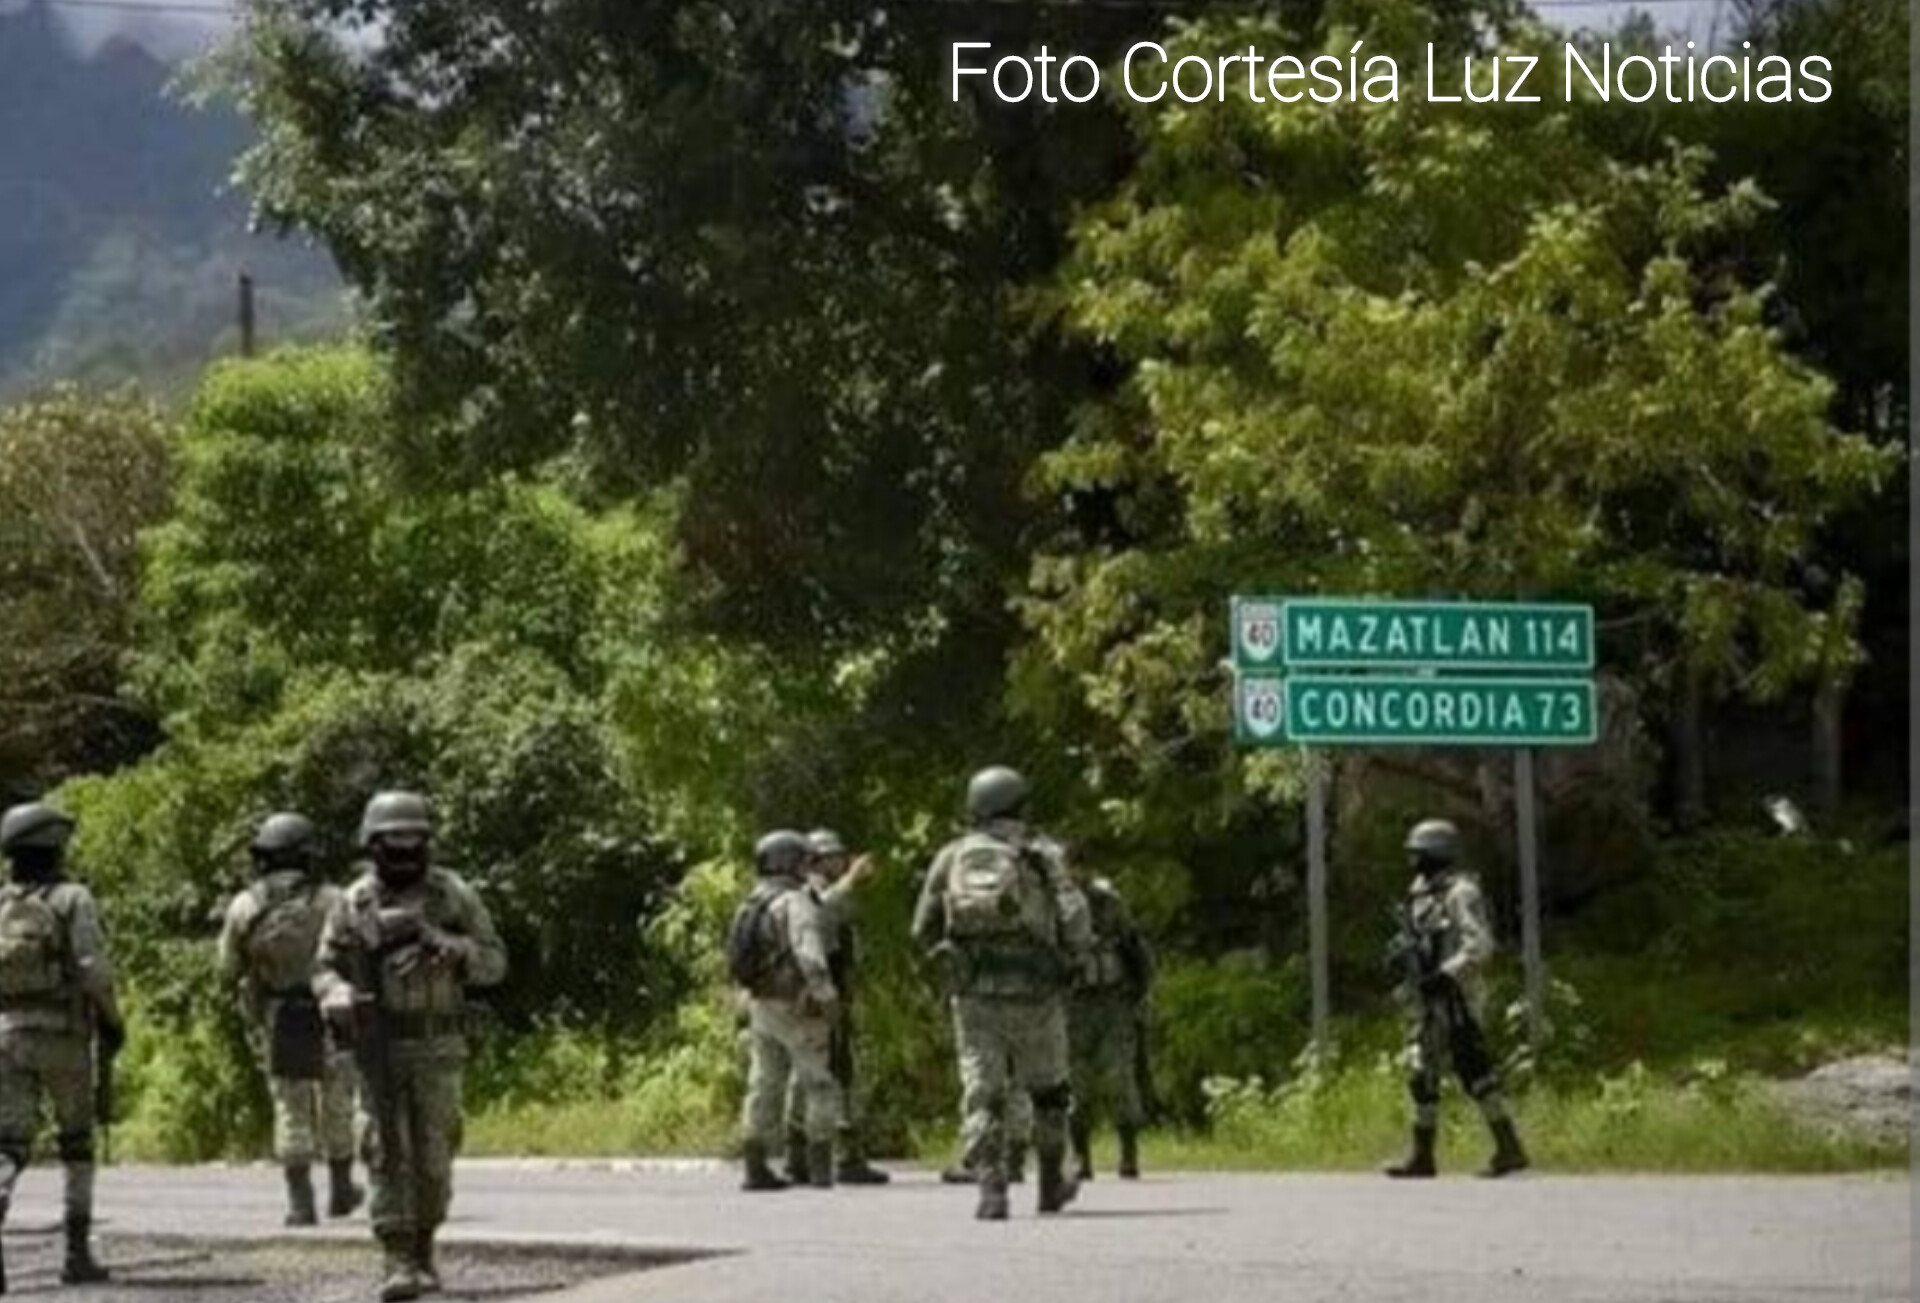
(1449, 939)
(833, 873)
(56, 997)
(397, 955)
(777, 953)
(269, 945)
(1001, 916)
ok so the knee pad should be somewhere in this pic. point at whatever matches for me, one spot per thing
(1053, 1099)
(1424, 1088)
(75, 1146)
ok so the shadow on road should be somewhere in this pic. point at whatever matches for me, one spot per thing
(1155, 1214)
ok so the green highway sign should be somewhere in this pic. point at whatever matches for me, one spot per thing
(1319, 633)
(1351, 710)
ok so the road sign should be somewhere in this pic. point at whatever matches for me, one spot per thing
(1317, 633)
(1438, 710)
(1386, 710)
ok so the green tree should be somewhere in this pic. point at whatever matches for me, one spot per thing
(1413, 348)
(80, 476)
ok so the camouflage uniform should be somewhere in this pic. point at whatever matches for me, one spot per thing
(1104, 1019)
(1009, 1004)
(424, 943)
(790, 1025)
(834, 900)
(313, 1101)
(56, 987)
(1447, 916)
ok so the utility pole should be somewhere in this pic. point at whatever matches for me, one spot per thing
(246, 315)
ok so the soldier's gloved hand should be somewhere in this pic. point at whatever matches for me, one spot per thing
(337, 1009)
(445, 946)
(397, 926)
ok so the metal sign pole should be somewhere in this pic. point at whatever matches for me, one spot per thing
(1317, 894)
(1536, 977)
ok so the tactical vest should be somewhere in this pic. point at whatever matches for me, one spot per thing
(281, 942)
(36, 967)
(425, 997)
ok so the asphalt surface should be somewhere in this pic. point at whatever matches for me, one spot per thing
(1176, 1238)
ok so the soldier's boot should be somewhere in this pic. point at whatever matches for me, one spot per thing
(799, 1168)
(854, 1168)
(1083, 1151)
(80, 1267)
(343, 1196)
(820, 1165)
(1419, 1163)
(993, 1199)
(1129, 1153)
(1057, 1189)
(3, 1256)
(399, 1281)
(760, 1173)
(1017, 1164)
(1508, 1154)
(300, 1206)
(423, 1264)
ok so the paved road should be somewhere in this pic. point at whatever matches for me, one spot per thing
(1180, 1238)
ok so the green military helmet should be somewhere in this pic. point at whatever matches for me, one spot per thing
(389, 813)
(780, 854)
(285, 836)
(34, 825)
(825, 843)
(1436, 840)
(996, 793)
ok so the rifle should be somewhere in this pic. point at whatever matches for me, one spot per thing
(1143, 1063)
(371, 1047)
(1410, 957)
(104, 1053)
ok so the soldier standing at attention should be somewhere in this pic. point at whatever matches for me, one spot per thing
(397, 954)
(1104, 1021)
(1450, 941)
(267, 949)
(56, 996)
(1000, 915)
(777, 954)
(832, 875)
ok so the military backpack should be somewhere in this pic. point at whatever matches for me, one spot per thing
(33, 945)
(285, 937)
(987, 895)
(755, 950)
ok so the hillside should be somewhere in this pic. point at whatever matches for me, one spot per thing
(122, 240)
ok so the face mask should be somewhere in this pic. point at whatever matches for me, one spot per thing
(37, 863)
(400, 863)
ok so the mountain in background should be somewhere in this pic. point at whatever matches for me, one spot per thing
(121, 239)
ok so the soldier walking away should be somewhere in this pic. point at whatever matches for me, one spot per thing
(1104, 1022)
(777, 949)
(56, 1001)
(399, 950)
(1444, 943)
(832, 876)
(268, 949)
(1003, 920)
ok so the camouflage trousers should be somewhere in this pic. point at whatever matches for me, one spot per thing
(314, 1120)
(57, 1066)
(1105, 1034)
(786, 1046)
(1443, 1033)
(840, 1063)
(420, 1108)
(1011, 1048)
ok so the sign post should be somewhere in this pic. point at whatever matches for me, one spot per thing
(1321, 672)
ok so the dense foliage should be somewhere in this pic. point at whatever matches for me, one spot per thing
(748, 436)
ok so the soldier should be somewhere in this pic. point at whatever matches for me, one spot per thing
(1450, 940)
(56, 998)
(397, 954)
(268, 948)
(777, 953)
(1000, 915)
(832, 876)
(1104, 1023)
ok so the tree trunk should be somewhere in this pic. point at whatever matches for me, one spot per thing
(1829, 712)
(1689, 752)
